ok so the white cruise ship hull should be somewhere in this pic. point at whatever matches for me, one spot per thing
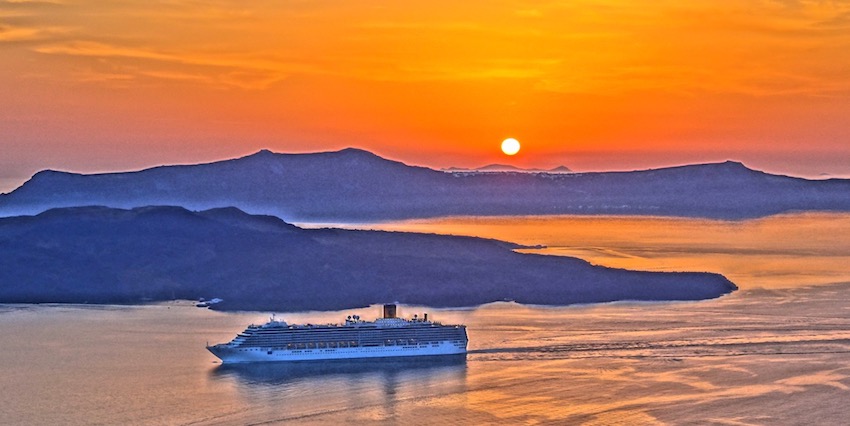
(234, 354)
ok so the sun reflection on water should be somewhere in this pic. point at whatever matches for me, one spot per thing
(782, 251)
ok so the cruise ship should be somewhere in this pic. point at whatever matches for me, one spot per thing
(389, 336)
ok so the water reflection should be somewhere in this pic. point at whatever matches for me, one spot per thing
(784, 251)
(282, 373)
(356, 390)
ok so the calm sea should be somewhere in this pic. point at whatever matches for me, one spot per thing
(775, 352)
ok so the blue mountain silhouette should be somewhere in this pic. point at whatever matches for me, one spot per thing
(356, 185)
(107, 255)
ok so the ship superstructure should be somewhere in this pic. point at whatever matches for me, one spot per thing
(389, 336)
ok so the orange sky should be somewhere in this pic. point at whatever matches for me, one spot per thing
(591, 84)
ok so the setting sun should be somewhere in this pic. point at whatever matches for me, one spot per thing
(510, 146)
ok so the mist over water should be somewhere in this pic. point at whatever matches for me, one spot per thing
(775, 352)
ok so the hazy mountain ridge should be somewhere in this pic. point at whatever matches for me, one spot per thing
(507, 168)
(104, 255)
(355, 185)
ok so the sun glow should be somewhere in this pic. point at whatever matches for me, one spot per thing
(176, 83)
(510, 146)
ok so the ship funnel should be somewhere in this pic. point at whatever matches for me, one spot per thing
(426, 316)
(389, 311)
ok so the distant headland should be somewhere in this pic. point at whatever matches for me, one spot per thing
(507, 168)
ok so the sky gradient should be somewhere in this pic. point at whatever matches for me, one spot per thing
(93, 86)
